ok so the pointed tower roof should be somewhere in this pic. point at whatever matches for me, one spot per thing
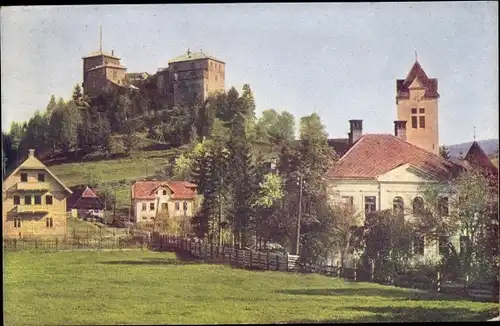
(416, 72)
(477, 158)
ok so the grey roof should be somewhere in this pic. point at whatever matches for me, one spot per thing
(99, 53)
(190, 56)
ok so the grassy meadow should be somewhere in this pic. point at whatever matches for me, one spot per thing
(144, 287)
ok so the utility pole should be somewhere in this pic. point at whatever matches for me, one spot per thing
(298, 217)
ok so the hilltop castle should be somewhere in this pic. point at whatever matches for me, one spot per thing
(187, 79)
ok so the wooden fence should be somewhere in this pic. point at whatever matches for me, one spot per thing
(289, 263)
(75, 244)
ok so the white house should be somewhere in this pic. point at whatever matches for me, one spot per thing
(383, 171)
(149, 198)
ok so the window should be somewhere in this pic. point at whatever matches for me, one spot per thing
(144, 206)
(164, 206)
(114, 73)
(49, 222)
(151, 206)
(414, 122)
(17, 200)
(414, 111)
(443, 245)
(41, 177)
(164, 192)
(17, 222)
(443, 206)
(348, 200)
(185, 206)
(398, 205)
(27, 200)
(215, 77)
(418, 245)
(24, 177)
(370, 204)
(464, 240)
(421, 111)
(177, 206)
(418, 206)
(48, 200)
(38, 200)
(422, 121)
(144, 217)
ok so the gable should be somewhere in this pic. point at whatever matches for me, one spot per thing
(416, 84)
(406, 173)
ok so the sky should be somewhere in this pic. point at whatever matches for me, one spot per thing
(340, 60)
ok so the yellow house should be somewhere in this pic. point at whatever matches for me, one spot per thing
(34, 201)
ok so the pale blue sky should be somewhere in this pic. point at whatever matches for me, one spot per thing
(339, 60)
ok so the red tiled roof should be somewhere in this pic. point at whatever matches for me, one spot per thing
(180, 189)
(376, 154)
(430, 84)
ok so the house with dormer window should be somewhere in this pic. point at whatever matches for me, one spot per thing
(34, 201)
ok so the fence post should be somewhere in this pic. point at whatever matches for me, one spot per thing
(277, 262)
(267, 260)
(438, 282)
(36, 244)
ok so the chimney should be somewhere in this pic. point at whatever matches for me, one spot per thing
(400, 129)
(112, 52)
(356, 130)
(32, 153)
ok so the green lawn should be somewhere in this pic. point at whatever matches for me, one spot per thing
(135, 287)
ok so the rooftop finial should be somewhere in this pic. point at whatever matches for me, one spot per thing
(189, 51)
(474, 133)
(100, 39)
(416, 56)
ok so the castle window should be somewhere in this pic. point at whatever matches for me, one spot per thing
(177, 206)
(414, 122)
(421, 110)
(48, 200)
(114, 73)
(49, 222)
(422, 121)
(215, 77)
(17, 200)
(17, 222)
(414, 111)
(164, 206)
(41, 177)
(151, 206)
(185, 206)
(24, 177)
(164, 192)
(38, 200)
(27, 200)
(144, 206)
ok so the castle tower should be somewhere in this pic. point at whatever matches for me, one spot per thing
(417, 103)
(193, 77)
(102, 71)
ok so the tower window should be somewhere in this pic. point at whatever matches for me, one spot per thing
(24, 177)
(414, 111)
(421, 110)
(414, 122)
(422, 121)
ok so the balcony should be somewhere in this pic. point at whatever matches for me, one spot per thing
(32, 186)
(32, 209)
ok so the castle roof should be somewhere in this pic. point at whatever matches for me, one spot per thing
(478, 159)
(100, 53)
(190, 56)
(430, 84)
(108, 65)
(375, 154)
